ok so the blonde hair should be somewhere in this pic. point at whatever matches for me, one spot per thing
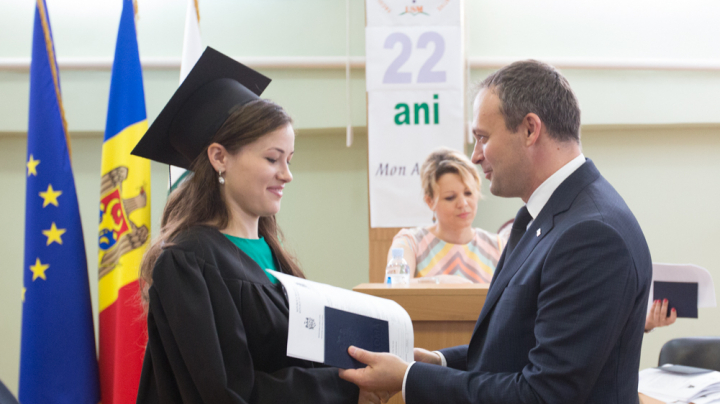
(443, 161)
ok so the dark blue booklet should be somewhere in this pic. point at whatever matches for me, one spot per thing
(682, 296)
(343, 329)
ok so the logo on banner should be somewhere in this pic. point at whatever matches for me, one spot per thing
(421, 9)
(118, 234)
(413, 13)
(414, 10)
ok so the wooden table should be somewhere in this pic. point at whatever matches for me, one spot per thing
(443, 315)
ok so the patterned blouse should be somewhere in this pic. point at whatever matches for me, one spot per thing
(475, 260)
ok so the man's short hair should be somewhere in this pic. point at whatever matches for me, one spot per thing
(531, 86)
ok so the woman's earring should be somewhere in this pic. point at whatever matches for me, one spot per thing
(221, 180)
(434, 219)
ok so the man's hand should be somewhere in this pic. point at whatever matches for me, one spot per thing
(384, 371)
(425, 356)
(377, 397)
(657, 317)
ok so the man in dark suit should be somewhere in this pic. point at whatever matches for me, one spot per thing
(564, 316)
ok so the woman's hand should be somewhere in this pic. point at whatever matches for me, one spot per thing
(425, 356)
(657, 317)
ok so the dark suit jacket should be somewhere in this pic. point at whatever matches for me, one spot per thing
(564, 316)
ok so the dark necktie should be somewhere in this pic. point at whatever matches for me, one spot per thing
(519, 226)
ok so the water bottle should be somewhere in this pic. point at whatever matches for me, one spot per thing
(396, 272)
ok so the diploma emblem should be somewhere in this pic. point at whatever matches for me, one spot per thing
(309, 323)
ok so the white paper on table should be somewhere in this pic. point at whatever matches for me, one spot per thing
(685, 273)
(306, 324)
(711, 397)
(670, 387)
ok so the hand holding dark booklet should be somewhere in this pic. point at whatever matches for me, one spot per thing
(682, 296)
(343, 329)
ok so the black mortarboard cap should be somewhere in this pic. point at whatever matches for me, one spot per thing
(199, 107)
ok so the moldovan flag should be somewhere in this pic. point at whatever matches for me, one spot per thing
(58, 363)
(124, 223)
(192, 49)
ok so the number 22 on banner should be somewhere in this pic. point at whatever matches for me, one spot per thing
(404, 58)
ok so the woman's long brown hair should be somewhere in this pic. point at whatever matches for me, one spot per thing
(199, 201)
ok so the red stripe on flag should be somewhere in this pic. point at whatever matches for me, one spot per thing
(123, 337)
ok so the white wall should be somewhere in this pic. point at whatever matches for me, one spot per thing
(614, 29)
(665, 164)
(513, 29)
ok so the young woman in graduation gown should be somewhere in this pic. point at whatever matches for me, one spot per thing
(217, 320)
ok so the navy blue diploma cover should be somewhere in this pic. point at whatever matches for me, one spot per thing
(683, 296)
(343, 329)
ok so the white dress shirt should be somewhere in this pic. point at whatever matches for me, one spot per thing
(542, 194)
(535, 204)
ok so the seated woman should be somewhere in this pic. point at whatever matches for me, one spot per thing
(450, 250)
(217, 319)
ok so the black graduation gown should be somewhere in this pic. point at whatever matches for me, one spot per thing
(217, 332)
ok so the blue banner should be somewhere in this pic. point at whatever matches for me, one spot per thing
(58, 362)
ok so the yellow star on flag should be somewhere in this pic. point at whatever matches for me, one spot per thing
(32, 165)
(53, 234)
(50, 196)
(39, 269)
(23, 293)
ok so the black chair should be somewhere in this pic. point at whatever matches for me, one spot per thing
(6, 396)
(699, 352)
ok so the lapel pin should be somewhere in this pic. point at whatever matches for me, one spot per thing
(538, 233)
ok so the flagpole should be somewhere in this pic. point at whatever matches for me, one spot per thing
(58, 360)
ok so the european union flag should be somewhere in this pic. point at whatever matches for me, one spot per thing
(57, 356)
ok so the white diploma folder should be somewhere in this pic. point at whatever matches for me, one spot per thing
(307, 301)
(685, 273)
